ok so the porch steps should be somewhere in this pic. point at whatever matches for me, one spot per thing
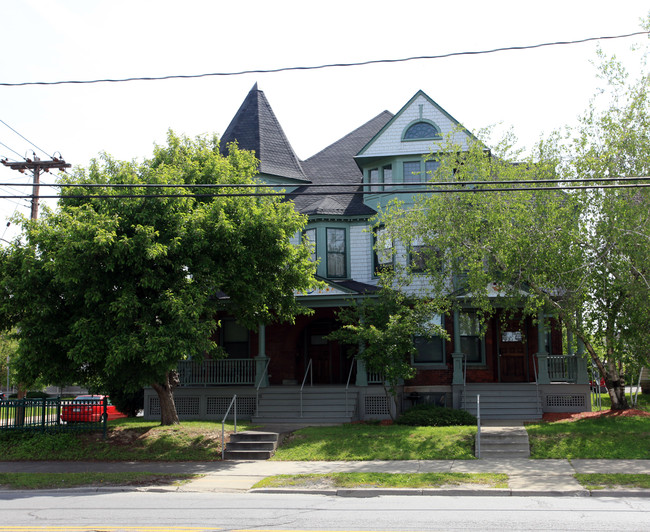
(321, 405)
(251, 445)
(503, 400)
(503, 441)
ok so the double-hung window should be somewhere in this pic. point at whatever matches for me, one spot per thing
(470, 337)
(373, 177)
(430, 168)
(387, 172)
(310, 237)
(423, 256)
(383, 250)
(430, 350)
(412, 173)
(336, 252)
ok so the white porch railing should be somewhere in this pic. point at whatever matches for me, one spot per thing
(562, 368)
(230, 371)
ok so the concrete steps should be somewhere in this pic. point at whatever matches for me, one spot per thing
(503, 442)
(517, 401)
(251, 445)
(322, 405)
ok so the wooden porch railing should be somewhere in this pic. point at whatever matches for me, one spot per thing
(229, 371)
(562, 368)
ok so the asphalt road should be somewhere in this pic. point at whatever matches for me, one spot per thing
(48, 511)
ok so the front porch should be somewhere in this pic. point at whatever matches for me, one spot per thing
(206, 390)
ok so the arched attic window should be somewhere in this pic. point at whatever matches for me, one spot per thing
(421, 130)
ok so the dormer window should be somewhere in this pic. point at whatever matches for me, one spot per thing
(421, 130)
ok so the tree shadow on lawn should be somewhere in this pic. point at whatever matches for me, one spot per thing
(374, 442)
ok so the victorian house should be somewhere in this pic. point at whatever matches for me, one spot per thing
(292, 372)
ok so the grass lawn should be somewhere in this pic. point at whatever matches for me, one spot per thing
(599, 481)
(643, 402)
(601, 437)
(23, 481)
(135, 439)
(385, 480)
(378, 442)
(128, 439)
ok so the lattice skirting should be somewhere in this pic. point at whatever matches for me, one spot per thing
(215, 406)
(376, 405)
(565, 402)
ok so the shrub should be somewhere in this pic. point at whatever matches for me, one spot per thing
(435, 416)
(129, 403)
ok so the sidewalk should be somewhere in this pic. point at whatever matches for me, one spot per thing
(526, 477)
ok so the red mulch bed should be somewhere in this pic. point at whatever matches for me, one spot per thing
(568, 416)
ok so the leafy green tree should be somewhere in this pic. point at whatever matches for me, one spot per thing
(383, 329)
(8, 350)
(118, 289)
(580, 255)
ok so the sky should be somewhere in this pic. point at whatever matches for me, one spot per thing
(533, 92)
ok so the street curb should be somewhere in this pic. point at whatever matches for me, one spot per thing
(621, 493)
(492, 492)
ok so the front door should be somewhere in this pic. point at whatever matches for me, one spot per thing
(319, 350)
(512, 355)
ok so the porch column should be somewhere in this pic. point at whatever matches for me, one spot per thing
(542, 354)
(261, 376)
(582, 374)
(457, 355)
(362, 374)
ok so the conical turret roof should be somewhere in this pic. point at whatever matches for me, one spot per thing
(256, 128)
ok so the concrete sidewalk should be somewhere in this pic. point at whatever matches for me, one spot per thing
(526, 477)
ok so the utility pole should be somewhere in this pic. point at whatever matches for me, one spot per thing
(36, 166)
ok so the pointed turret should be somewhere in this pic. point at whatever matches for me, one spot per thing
(256, 128)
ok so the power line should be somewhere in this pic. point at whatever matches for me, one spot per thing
(13, 151)
(338, 185)
(324, 66)
(470, 190)
(36, 166)
(26, 139)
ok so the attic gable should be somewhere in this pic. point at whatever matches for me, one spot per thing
(420, 127)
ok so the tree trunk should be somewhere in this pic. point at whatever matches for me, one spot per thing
(613, 380)
(616, 389)
(165, 391)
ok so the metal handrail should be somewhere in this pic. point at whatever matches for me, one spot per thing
(347, 413)
(464, 369)
(635, 398)
(223, 424)
(464, 401)
(539, 399)
(257, 387)
(478, 426)
(308, 371)
(596, 400)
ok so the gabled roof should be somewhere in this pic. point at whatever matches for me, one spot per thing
(388, 141)
(335, 164)
(256, 128)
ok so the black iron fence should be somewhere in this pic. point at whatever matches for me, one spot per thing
(54, 415)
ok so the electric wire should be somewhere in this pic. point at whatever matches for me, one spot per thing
(470, 190)
(393, 186)
(26, 139)
(325, 66)
(13, 151)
